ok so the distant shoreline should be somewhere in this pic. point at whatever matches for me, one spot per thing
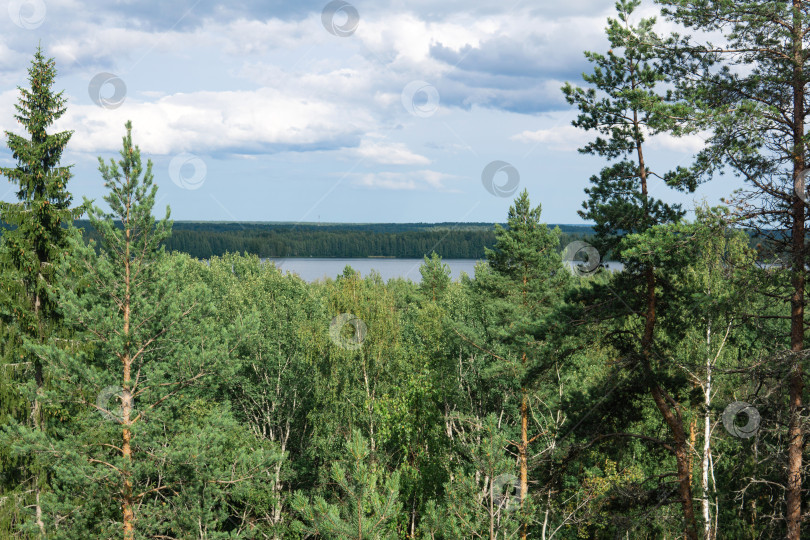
(374, 241)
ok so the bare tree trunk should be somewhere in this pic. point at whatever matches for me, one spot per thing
(40, 523)
(523, 453)
(545, 516)
(126, 405)
(707, 433)
(795, 432)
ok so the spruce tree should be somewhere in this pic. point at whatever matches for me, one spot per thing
(35, 233)
(36, 228)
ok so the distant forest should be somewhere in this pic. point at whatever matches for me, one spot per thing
(208, 239)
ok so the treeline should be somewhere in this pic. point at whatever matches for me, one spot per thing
(450, 240)
(148, 394)
(203, 240)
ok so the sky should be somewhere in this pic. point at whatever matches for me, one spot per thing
(308, 111)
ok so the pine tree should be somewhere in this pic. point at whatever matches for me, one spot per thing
(625, 104)
(35, 229)
(522, 290)
(368, 504)
(435, 277)
(141, 447)
(753, 84)
(481, 499)
(135, 249)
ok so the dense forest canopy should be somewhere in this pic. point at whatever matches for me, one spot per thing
(205, 239)
(145, 393)
(402, 240)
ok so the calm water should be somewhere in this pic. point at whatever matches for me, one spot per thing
(311, 269)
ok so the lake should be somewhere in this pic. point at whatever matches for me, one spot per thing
(312, 269)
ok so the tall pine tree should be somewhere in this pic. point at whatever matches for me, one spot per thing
(625, 104)
(524, 285)
(754, 83)
(141, 447)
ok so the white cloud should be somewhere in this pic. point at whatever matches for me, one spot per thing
(686, 144)
(389, 153)
(422, 179)
(261, 121)
(8, 100)
(565, 138)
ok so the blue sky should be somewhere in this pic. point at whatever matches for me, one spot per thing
(385, 111)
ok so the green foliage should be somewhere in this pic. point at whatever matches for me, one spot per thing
(226, 399)
(626, 103)
(368, 499)
(435, 277)
(35, 237)
(482, 497)
(36, 233)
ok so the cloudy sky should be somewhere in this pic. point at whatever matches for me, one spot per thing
(271, 110)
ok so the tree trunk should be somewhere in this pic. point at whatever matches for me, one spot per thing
(491, 508)
(40, 523)
(36, 415)
(126, 405)
(707, 433)
(675, 424)
(524, 454)
(795, 432)
(672, 419)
